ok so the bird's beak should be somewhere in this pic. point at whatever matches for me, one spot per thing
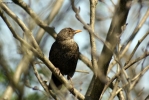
(77, 31)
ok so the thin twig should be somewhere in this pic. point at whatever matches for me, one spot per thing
(136, 60)
(22, 4)
(57, 5)
(44, 85)
(20, 23)
(112, 95)
(124, 77)
(138, 77)
(93, 4)
(85, 60)
(82, 71)
(125, 67)
(81, 20)
(135, 32)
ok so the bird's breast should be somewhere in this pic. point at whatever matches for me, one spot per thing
(69, 45)
(64, 55)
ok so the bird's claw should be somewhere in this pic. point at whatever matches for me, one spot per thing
(57, 71)
(72, 89)
(69, 78)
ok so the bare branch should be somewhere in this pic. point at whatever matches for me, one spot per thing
(81, 20)
(50, 18)
(22, 4)
(93, 4)
(138, 77)
(135, 32)
(82, 71)
(86, 61)
(112, 95)
(21, 24)
(44, 85)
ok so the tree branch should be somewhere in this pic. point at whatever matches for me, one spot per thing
(93, 4)
(135, 32)
(44, 85)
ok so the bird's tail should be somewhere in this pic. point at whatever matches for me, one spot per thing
(56, 82)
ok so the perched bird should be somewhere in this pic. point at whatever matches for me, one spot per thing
(64, 54)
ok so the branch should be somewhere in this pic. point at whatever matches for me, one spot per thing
(21, 68)
(82, 71)
(81, 20)
(49, 19)
(138, 77)
(93, 4)
(10, 77)
(20, 23)
(85, 60)
(112, 95)
(122, 53)
(146, 54)
(22, 4)
(135, 32)
(125, 67)
(44, 85)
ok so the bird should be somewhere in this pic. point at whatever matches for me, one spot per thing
(64, 54)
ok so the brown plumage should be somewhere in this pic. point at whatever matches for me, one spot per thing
(64, 54)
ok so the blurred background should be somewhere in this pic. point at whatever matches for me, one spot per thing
(10, 49)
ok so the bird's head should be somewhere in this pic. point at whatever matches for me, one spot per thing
(66, 34)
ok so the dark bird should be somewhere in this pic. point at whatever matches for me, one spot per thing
(64, 54)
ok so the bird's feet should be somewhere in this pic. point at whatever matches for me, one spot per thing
(57, 71)
(72, 89)
(69, 78)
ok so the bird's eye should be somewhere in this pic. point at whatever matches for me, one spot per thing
(69, 30)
